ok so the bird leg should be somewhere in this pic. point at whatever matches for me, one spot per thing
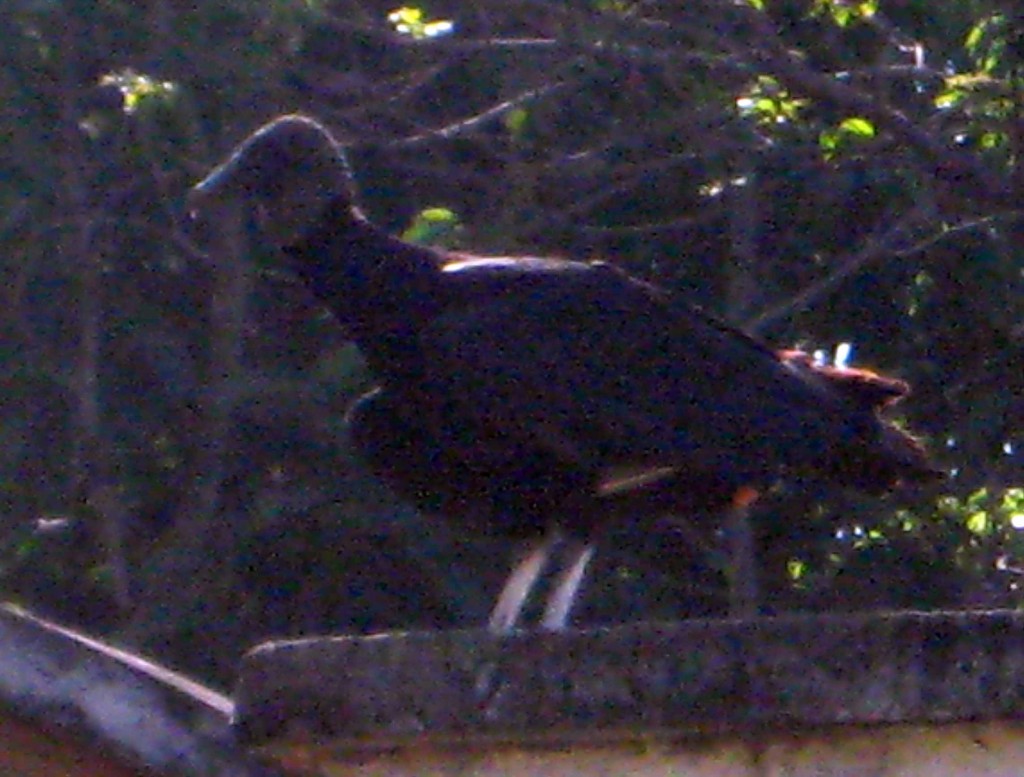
(742, 573)
(567, 586)
(521, 581)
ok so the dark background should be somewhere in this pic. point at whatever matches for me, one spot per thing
(174, 468)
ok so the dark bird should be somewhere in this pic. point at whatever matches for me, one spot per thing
(537, 398)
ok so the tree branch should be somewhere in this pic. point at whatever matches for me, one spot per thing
(956, 167)
(874, 248)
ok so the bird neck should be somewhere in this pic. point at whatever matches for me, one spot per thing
(379, 287)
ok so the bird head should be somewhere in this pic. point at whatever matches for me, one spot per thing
(287, 172)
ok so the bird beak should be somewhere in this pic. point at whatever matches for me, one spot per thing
(210, 191)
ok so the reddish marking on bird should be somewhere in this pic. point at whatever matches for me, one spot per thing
(744, 497)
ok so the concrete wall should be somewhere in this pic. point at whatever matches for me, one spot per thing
(881, 694)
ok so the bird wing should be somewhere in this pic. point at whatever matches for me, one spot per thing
(607, 372)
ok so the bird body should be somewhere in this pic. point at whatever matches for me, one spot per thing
(522, 393)
(586, 365)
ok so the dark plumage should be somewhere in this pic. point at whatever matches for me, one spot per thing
(522, 394)
(513, 491)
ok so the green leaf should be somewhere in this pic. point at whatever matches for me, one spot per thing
(991, 140)
(515, 122)
(868, 9)
(987, 42)
(1013, 505)
(978, 522)
(412, 21)
(858, 126)
(1013, 499)
(406, 15)
(842, 15)
(975, 36)
(978, 498)
(832, 141)
(433, 226)
(949, 98)
(768, 103)
(844, 12)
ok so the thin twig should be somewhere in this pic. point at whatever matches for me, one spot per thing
(873, 248)
(467, 125)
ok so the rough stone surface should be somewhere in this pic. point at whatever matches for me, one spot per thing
(661, 681)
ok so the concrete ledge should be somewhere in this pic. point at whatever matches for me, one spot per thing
(706, 686)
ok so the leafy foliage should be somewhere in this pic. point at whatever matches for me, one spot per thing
(411, 21)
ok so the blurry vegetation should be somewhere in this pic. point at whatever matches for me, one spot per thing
(174, 466)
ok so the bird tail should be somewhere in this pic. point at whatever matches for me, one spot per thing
(895, 457)
(879, 455)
